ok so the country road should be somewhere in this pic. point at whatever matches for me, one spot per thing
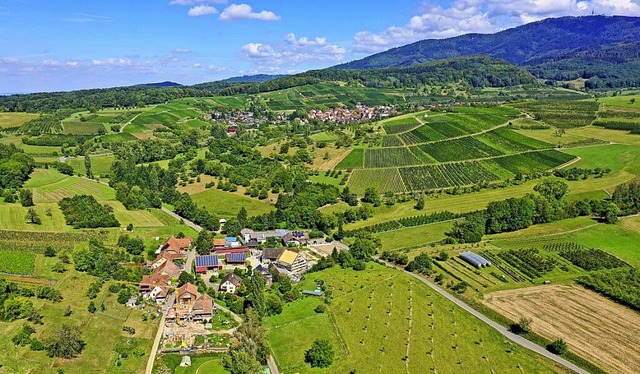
(501, 329)
(156, 344)
(186, 221)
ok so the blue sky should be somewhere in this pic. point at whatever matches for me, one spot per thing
(62, 45)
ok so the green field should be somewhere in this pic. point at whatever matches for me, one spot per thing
(100, 165)
(17, 262)
(101, 331)
(386, 314)
(414, 236)
(227, 204)
(383, 180)
(200, 364)
(355, 159)
(83, 128)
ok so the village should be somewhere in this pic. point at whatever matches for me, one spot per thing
(194, 293)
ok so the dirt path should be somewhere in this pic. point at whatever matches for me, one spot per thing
(156, 344)
(131, 120)
(331, 164)
(593, 326)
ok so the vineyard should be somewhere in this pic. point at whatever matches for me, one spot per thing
(17, 262)
(529, 261)
(508, 141)
(83, 128)
(466, 148)
(621, 285)
(533, 162)
(562, 114)
(587, 259)
(391, 141)
(384, 180)
(36, 242)
(397, 126)
(445, 175)
(389, 157)
(355, 159)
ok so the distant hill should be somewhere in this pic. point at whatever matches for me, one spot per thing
(538, 41)
(258, 78)
(603, 49)
(162, 84)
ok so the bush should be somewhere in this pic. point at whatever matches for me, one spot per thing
(421, 264)
(321, 308)
(49, 251)
(558, 347)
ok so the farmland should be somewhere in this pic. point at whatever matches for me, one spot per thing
(14, 120)
(382, 180)
(381, 312)
(355, 159)
(562, 114)
(17, 262)
(83, 128)
(581, 317)
(227, 204)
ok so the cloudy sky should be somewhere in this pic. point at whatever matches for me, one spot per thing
(50, 45)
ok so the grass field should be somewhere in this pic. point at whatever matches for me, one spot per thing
(17, 262)
(414, 236)
(408, 327)
(592, 326)
(355, 159)
(99, 165)
(200, 364)
(11, 120)
(228, 204)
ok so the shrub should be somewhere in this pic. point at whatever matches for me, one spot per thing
(321, 308)
(558, 347)
(320, 354)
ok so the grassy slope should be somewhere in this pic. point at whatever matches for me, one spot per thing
(9, 120)
(376, 313)
(227, 205)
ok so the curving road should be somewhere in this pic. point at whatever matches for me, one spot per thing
(501, 329)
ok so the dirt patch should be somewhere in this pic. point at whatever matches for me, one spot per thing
(594, 327)
(334, 161)
(27, 280)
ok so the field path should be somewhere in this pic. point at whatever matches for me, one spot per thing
(501, 329)
(154, 349)
(131, 120)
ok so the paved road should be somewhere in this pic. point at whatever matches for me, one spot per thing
(501, 329)
(186, 221)
(191, 256)
(154, 349)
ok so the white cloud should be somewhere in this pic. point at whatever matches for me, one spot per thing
(294, 51)
(244, 11)
(202, 10)
(86, 18)
(483, 16)
(195, 2)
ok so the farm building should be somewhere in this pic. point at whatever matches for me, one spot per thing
(219, 243)
(175, 245)
(293, 262)
(474, 259)
(236, 258)
(225, 251)
(205, 263)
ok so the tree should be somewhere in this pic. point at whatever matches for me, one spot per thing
(273, 305)
(32, 217)
(26, 198)
(204, 243)
(364, 247)
(320, 354)
(67, 342)
(552, 190)
(87, 166)
(371, 196)
(185, 278)
(242, 217)
(92, 307)
(522, 327)
(421, 264)
(443, 256)
(558, 347)
(420, 203)
(124, 295)
(610, 213)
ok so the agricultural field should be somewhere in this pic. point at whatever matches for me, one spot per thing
(562, 114)
(15, 119)
(200, 364)
(172, 113)
(387, 314)
(592, 326)
(355, 159)
(83, 128)
(414, 236)
(383, 180)
(445, 175)
(389, 157)
(460, 149)
(17, 262)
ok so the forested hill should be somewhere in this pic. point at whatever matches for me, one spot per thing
(536, 42)
(476, 71)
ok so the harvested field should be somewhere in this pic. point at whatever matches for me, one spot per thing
(593, 327)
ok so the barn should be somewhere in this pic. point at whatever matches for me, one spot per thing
(236, 258)
(204, 263)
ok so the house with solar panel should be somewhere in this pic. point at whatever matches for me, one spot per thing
(206, 263)
(236, 258)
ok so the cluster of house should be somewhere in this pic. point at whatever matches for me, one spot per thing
(361, 113)
(190, 306)
(234, 118)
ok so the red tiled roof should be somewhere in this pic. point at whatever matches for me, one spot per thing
(175, 244)
(190, 288)
(168, 268)
(155, 280)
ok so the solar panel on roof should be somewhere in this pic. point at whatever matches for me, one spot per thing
(207, 261)
(236, 257)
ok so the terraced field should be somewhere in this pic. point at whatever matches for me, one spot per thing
(562, 114)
